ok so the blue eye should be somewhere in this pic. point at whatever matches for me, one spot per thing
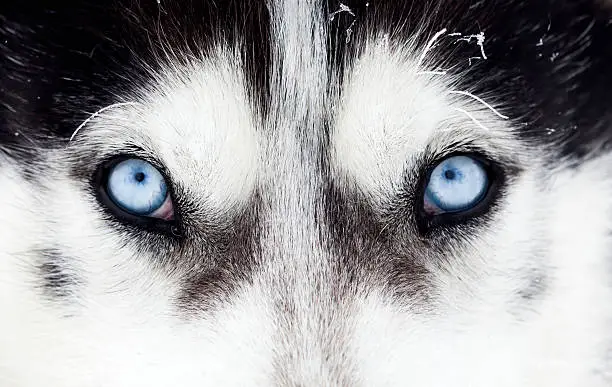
(456, 184)
(138, 188)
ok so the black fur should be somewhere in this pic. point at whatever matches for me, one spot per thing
(64, 60)
(548, 61)
(59, 281)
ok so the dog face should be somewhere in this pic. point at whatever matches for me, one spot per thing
(305, 193)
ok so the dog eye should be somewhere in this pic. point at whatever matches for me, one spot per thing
(138, 188)
(456, 184)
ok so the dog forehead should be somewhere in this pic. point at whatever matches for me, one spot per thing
(205, 130)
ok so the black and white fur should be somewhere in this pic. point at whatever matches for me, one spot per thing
(295, 135)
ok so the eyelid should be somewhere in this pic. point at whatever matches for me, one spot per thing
(109, 160)
(166, 211)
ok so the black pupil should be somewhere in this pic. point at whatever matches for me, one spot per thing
(139, 177)
(449, 174)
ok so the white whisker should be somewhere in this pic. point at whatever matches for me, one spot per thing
(481, 101)
(429, 45)
(471, 117)
(431, 72)
(94, 115)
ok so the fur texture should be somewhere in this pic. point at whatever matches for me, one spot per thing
(296, 137)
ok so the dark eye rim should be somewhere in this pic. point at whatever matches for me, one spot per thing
(146, 223)
(428, 222)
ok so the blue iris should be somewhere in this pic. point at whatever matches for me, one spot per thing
(137, 187)
(457, 184)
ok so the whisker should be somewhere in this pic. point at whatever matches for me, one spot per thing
(429, 45)
(471, 117)
(96, 114)
(479, 100)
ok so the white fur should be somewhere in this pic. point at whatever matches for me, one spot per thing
(390, 112)
(473, 340)
(197, 119)
(122, 328)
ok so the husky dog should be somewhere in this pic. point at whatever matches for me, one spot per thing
(305, 193)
